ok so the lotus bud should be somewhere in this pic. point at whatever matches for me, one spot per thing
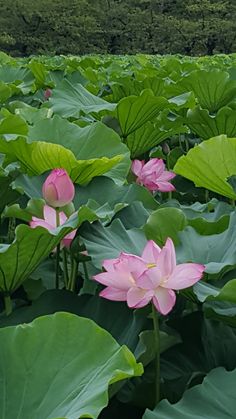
(58, 189)
(47, 94)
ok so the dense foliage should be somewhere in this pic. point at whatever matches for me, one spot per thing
(192, 27)
(68, 352)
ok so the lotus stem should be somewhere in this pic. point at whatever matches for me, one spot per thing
(57, 251)
(73, 277)
(85, 270)
(8, 304)
(65, 267)
(157, 352)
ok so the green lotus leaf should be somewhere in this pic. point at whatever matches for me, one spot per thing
(205, 291)
(135, 111)
(164, 223)
(107, 242)
(153, 133)
(39, 157)
(213, 399)
(220, 89)
(8, 192)
(69, 100)
(210, 218)
(90, 142)
(13, 124)
(216, 251)
(127, 86)
(20, 79)
(76, 380)
(210, 164)
(5, 92)
(207, 126)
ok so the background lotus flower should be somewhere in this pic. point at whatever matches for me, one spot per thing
(50, 223)
(58, 188)
(153, 277)
(153, 175)
(47, 94)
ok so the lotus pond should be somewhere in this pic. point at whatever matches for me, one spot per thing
(118, 237)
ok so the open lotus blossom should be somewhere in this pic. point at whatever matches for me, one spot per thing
(50, 223)
(58, 188)
(153, 277)
(153, 175)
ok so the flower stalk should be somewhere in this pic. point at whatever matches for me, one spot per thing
(157, 353)
(8, 304)
(57, 251)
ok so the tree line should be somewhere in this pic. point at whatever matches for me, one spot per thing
(190, 27)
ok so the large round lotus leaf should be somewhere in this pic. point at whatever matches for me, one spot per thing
(210, 165)
(38, 157)
(215, 398)
(69, 100)
(59, 366)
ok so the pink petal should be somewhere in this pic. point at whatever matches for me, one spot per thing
(113, 294)
(166, 176)
(154, 166)
(166, 260)
(137, 166)
(63, 218)
(151, 252)
(165, 187)
(151, 186)
(37, 222)
(68, 239)
(108, 264)
(184, 276)
(131, 264)
(150, 279)
(120, 280)
(164, 300)
(137, 297)
(49, 214)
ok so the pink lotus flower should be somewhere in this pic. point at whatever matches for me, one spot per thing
(50, 223)
(153, 175)
(58, 189)
(152, 277)
(47, 93)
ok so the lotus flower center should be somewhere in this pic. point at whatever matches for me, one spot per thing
(151, 265)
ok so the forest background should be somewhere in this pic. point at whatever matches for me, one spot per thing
(191, 27)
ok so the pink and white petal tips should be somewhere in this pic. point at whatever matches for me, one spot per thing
(108, 264)
(137, 166)
(49, 215)
(151, 252)
(49, 222)
(119, 280)
(164, 300)
(113, 294)
(156, 166)
(138, 297)
(150, 279)
(166, 260)
(68, 239)
(121, 272)
(153, 175)
(133, 264)
(184, 276)
(37, 222)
